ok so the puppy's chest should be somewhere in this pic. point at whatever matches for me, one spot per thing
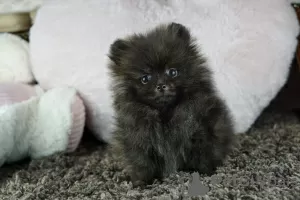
(172, 145)
(179, 128)
(174, 135)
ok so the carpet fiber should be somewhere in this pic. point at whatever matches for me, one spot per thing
(271, 149)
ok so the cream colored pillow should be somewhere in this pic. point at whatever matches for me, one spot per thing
(17, 15)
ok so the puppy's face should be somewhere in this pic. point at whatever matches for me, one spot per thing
(158, 86)
(156, 67)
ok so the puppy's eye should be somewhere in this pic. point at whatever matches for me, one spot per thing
(145, 79)
(172, 72)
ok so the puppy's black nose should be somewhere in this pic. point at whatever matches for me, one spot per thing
(161, 87)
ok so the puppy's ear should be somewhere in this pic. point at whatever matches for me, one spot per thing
(117, 50)
(179, 31)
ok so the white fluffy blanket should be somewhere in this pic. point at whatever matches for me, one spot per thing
(249, 46)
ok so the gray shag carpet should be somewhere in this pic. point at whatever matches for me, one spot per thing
(264, 165)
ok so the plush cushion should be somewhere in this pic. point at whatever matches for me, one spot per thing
(249, 46)
(14, 16)
(9, 6)
(14, 59)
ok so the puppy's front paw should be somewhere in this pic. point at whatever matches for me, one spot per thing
(139, 183)
(140, 179)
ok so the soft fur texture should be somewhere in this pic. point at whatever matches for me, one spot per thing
(37, 124)
(168, 115)
(15, 65)
(248, 44)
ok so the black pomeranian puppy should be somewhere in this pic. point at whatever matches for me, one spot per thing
(168, 114)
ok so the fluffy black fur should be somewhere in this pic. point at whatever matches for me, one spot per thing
(168, 114)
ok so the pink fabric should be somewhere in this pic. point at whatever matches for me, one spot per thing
(76, 131)
(11, 93)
